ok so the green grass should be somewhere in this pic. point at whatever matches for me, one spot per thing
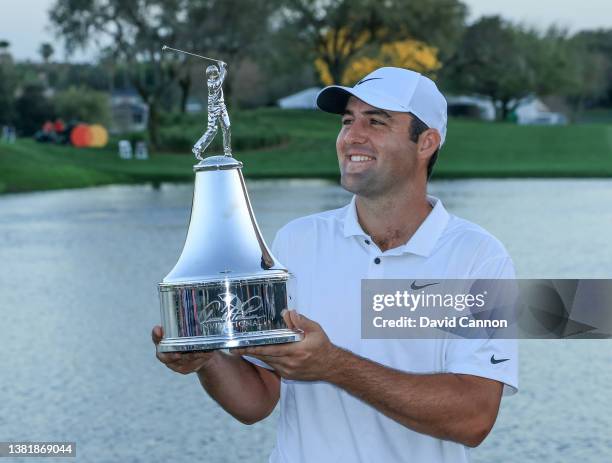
(596, 116)
(478, 149)
(305, 147)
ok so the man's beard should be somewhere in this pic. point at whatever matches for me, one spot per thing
(365, 187)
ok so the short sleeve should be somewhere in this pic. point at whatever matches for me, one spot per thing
(488, 358)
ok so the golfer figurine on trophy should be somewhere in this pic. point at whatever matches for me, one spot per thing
(217, 112)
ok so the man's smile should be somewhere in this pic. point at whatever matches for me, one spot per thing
(360, 158)
(355, 162)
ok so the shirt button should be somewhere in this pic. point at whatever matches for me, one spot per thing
(377, 260)
(367, 241)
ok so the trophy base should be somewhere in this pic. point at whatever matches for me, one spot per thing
(203, 343)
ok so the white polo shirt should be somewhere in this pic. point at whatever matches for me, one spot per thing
(329, 254)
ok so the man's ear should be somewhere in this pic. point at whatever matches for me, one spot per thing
(428, 143)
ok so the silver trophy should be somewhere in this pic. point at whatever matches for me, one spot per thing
(227, 289)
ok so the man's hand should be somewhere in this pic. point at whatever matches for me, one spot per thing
(184, 363)
(312, 359)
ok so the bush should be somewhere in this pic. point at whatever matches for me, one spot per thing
(84, 105)
(244, 138)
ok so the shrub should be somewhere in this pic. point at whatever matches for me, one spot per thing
(183, 137)
(84, 105)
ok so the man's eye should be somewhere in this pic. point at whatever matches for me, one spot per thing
(346, 121)
(376, 122)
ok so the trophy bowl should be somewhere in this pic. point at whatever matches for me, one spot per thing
(225, 313)
(227, 289)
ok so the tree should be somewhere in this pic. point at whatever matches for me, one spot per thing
(590, 76)
(409, 54)
(138, 29)
(335, 29)
(231, 30)
(339, 30)
(595, 46)
(7, 90)
(497, 59)
(46, 52)
(32, 109)
(7, 84)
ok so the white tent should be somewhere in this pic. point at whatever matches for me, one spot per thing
(532, 111)
(306, 99)
(480, 107)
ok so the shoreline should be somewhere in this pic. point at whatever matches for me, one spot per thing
(332, 179)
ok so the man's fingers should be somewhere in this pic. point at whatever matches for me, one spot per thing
(183, 362)
(157, 334)
(292, 319)
(287, 318)
(295, 319)
(166, 359)
(270, 351)
(306, 324)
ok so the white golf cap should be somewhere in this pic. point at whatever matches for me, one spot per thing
(393, 89)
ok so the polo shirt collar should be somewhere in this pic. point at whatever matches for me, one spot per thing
(423, 240)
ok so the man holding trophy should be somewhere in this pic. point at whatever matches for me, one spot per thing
(344, 398)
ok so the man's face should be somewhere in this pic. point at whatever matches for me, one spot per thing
(375, 153)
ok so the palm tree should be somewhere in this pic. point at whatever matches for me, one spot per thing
(46, 51)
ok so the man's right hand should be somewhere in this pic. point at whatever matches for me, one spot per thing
(184, 362)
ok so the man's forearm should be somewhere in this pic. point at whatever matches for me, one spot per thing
(239, 387)
(447, 406)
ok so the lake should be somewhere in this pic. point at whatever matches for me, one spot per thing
(78, 300)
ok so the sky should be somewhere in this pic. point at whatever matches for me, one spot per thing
(24, 23)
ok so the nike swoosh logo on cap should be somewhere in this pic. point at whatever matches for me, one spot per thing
(495, 361)
(365, 80)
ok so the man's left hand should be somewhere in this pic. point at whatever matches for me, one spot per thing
(312, 359)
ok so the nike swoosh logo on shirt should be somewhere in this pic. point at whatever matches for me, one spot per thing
(495, 361)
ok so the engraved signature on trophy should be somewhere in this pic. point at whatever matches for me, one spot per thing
(230, 309)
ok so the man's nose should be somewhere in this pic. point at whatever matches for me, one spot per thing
(355, 133)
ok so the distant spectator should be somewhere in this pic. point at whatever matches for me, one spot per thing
(11, 134)
(5, 134)
(59, 126)
(48, 127)
(47, 133)
(60, 131)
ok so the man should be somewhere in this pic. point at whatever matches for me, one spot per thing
(217, 112)
(344, 398)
